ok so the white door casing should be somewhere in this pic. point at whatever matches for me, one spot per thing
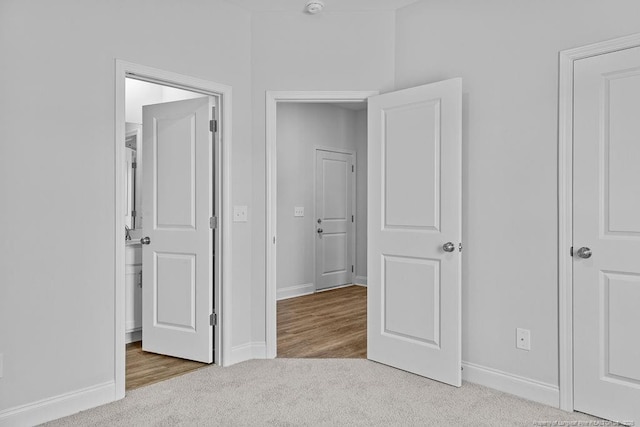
(414, 208)
(334, 219)
(177, 205)
(606, 219)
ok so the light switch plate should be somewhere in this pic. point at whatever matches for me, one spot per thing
(298, 211)
(240, 214)
(523, 339)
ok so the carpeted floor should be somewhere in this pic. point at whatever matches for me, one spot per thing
(326, 392)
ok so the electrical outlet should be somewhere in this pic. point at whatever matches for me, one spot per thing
(240, 214)
(298, 211)
(523, 339)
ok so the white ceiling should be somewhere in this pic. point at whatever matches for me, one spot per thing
(330, 5)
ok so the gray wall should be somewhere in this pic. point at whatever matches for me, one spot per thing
(57, 173)
(506, 52)
(301, 127)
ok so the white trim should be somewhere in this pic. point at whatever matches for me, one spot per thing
(63, 405)
(222, 281)
(134, 335)
(361, 281)
(527, 388)
(565, 199)
(247, 351)
(272, 98)
(296, 291)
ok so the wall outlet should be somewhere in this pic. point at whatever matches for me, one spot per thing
(240, 214)
(523, 339)
(298, 211)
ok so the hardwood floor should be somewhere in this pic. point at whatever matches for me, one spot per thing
(147, 368)
(330, 324)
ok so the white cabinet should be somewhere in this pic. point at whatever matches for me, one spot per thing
(133, 292)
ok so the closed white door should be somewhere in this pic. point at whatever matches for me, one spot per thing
(177, 297)
(414, 230)
(606, 218)
(334, 219)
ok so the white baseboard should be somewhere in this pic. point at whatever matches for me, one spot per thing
(527, 388)
(58, 406)
(296, 291)
(361, 280)
(248, 351)
(133, 336)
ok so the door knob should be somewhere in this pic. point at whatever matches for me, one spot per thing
(584, 252)
(145, 240)
(448, 247)
(320, 230)
(319, 221)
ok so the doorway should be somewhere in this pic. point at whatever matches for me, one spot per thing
(165, 222)
(599, 229)
(321, 219)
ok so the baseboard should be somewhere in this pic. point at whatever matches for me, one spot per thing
(295, 291)
(527, 388)
(361, 280)
(58, 406)
(133, 336)
(248, 351)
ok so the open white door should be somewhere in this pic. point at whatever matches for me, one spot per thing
(334, 219)
(177, 263)
(414, 230)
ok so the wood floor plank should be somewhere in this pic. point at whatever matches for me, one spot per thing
(331, 324)
(145, 368)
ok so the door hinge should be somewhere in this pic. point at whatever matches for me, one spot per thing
(571, 251)
(353, 168)
(134, 165)
(459, 247)
(274, 240)
(213, 319)
(213, 126)
(352, 268)
(213, 222)
(352, 218)
(134, 213)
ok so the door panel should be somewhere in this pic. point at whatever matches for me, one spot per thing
(334, 206)
(414, 197)
(606, 286)
(177, 296)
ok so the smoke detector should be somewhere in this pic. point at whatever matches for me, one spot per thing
(314, 6)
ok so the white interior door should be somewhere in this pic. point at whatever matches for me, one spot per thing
(334, 219)
(414, 210)
(177, 296)
(606, 218)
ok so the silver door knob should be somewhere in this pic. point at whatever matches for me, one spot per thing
(584, 252)
(320, 230)
(145, 240)
(448, 247)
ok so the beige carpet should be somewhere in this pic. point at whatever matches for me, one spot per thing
(325, 392)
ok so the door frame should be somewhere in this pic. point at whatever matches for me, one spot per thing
(565, 203)
(273, 98)
(222, 241)
(354, 201)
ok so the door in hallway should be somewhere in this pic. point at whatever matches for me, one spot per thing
(335, 230)
(606, 235)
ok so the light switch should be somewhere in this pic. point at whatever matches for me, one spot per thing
(298, 211)
(240, 214)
